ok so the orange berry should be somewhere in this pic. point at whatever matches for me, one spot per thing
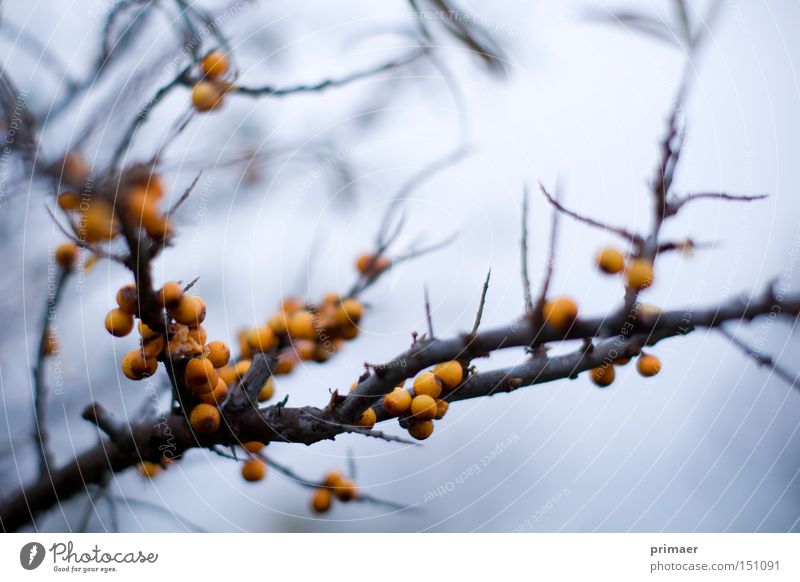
(610, 261)
(345, 489)
(421, 430)
(201, 375)
(148, 469)
(171, 295)
(118, 323)
(348, 332)
(128, 299)
(153, 346)
(217, 396)
(261, 339)
(321, 501)
(267, 390)
(69, 201)
(206, 96)
(214, 65)
(204, 418)
(332, 478)
(97, 223)
(560, 312)
(423, 407)
(397, 402)
(67, 255)
(277, 323)
(428, 383)
(301, 325)
(146, 332)
(648, 365)
(367, 419)
(450, 373)
(254, 469)
(191, 311)
(287, 360)
(442, 407)
(75, 168)
(155, 224)
(242, 366)
(331, 298)
(291, 305)
(253, 446)
(371, 265)
(199, 335)
(603, 375)
(136, 367)
(219, 353)
(304, 349)
(639, 274)
(349, 312)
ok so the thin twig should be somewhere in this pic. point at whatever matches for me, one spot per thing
(762, 359)
(479, 315)
(526, 280)
(428, 315)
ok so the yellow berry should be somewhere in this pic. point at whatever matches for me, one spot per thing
(267, 390)
(442, 407)
(639, 274)
(397, 402)
(560, 312)
(219, 353)
(371, 265)
(204, 418)
(67, 255)
(171, 295)
(349, 312)
(305, 349)
(321, 501)
(421, 430)
(201, 375)
(253, 446)
(450, 374)
(291, 305)
(254, 470)
(136, 367)
(118, 323)
(332, 478)
(206, 96)
(217, 396)
(603, 375)
(367, 419)
(423, 407)
(215, 64)
(128, 299)
(191, 311)
(345, 489)
(301, 325)
(610, 261)
(287, 360)
(428, 383)
(648, 365)
(97, 223)
(69, 200)
(348, 332)
(277, 323)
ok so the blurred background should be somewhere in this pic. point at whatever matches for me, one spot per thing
(293, 189)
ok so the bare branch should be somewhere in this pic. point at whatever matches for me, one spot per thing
(479, 315)
(526, 280)
(762, 359)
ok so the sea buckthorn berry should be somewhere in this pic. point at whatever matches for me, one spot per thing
(244, 346)
(217, 396)
(346, 489)
(348, 332)
(421, 430)
(254, 470)
(371, 265)
(118, 323)
(219, 353)
(332, 478)
(97, 223)
(639, 274)
(136, 367)
(215, 64)
(321, 501)
(323, 352)
(207, 95)
(622, 361)
(428, 383)
(287, 360)
(648, 365)
(228, 375)
(204, 418)
(291, 305)
(201, 375)
(253, 446)
(155, 224)
(301, 325)
(610, 261)
(190, 311)
(423, 407)
(67, 255)
(560, 312)
(349, 312)
(146, 332)
(450, 373)
(304, 348)
(171, 295)
(331, 298)
(75, 168)
(149, 469)
(397, 402)
(242, 367)
(69, 201)
(442, 406)
(199, 335)
(267, 390)
(367, 419)
(153, 346)
(139, 202)
(278, 323)
(603, 376)
(128, 299)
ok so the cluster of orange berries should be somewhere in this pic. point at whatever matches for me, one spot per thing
(336, 486)
(208, 93)
(647, 365)
(419, 407)
(638, 272)
(304, 332)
